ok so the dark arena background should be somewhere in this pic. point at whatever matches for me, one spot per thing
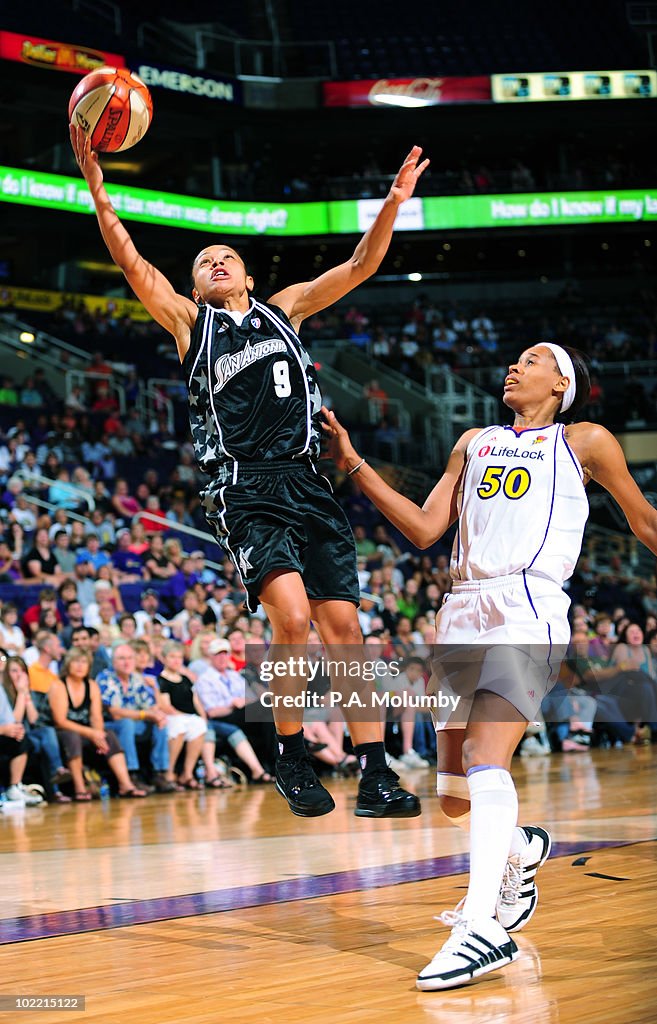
(278, 128)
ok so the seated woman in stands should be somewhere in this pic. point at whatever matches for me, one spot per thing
(78, 716)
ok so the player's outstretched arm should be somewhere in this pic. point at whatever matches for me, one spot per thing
(176, 313)
(302, 300)
(423, 526)
(606, 463)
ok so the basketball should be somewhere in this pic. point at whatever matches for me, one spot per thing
(113, 107)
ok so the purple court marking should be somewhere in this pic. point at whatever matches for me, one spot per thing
(169, 908)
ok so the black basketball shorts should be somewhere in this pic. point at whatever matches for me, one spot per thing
(270, 516)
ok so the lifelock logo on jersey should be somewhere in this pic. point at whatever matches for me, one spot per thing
(509, 453)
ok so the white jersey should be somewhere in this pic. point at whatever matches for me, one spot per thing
(522, 506)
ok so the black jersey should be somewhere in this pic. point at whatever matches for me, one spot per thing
(253, 391)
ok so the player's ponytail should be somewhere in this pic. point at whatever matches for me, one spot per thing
(582, 383)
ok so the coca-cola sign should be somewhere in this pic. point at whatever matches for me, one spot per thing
(407, 92)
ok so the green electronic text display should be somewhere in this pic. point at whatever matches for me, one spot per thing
(57, 192)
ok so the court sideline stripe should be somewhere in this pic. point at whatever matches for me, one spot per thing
(216, 901)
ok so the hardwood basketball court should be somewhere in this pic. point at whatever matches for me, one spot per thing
(223, 906)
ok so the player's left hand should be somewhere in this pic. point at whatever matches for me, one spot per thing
(403, 186)
(340, 447)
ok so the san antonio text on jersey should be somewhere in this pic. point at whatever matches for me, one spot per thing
(253, 391)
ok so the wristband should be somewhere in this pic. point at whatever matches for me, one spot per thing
(142, 714)
(356, 468)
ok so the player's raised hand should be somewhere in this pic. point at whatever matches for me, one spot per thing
(86, 158)
(404, 184)
(340, 447)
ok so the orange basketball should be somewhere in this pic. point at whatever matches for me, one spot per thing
(113, 107)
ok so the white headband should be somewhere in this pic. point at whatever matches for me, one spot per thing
(566, 369)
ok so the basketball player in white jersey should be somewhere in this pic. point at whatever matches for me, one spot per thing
(518, 493)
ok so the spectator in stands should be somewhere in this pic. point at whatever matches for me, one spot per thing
(131, 712)
(402, 640)
(93, 614)
(88, 639)
(432, 600)
(411, 681)
(155, 562)
(78, 534)
(77, 712)
(138, 540)
(148, 613)
(12, 638)
(33, 711)
(377, 398)
(221, 691)
(94, 553)
(106, 574)
(123, 503)
(364, 545)
(30, 622)
(185, 579)
(601, 646)
(154, 518)
(180, 622)
(178, 513)
(408, 601)
(49, 651)
(8, 392)
(83, 577)
(48, 620)
(390, 612)
(386, 546)
(14, 749)
(10, 571)
(61, 493)
(237, 641)
(22, 512)
(39, 565)
(370, 605)
(198, 656)
(74, 616)
(128, 565)
(174, 552)
(62, 553)
(186, 719)
(76, 399)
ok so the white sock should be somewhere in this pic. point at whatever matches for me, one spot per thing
(519, 841)
(494, 813)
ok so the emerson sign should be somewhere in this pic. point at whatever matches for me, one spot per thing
(195, 85)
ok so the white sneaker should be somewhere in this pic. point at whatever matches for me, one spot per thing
(7, 806)
(413, 760)
(532, 747)
(475, 947)
(21, 794)
(518, 896)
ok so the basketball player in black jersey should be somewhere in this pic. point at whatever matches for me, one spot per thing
(255, 417)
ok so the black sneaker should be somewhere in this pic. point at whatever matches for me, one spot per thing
(381, 796)
(297, 782)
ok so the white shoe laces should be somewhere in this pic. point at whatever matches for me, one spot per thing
(512, 882)
(456, 920)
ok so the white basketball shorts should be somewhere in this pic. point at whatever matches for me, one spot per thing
(507, 635)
